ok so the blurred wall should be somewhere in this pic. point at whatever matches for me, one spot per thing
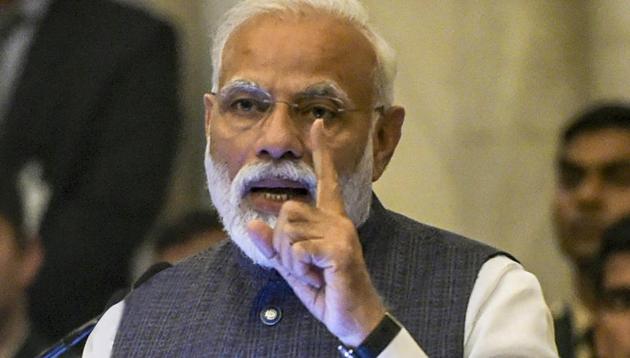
(487, 85)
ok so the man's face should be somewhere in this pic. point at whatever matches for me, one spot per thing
(593, 190)
(614, 319)
(257, 162)
(287, 57)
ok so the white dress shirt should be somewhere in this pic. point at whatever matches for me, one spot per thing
(506, 317)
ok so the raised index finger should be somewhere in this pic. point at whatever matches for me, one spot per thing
(329, 196)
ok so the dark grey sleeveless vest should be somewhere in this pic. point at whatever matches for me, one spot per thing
(210, 305)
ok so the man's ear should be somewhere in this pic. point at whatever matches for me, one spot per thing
(385, 138)
(208, 103)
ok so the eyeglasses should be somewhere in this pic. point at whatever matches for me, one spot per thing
(247, 102)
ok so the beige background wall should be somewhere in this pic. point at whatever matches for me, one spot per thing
(487, 85)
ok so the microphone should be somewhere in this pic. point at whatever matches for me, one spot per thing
(81, 333)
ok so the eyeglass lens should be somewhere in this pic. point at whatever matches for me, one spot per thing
(244, 101)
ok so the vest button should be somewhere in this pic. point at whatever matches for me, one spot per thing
(270, 316)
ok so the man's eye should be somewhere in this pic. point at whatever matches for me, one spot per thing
(618, 175)
(313, 111)
(570, 178)
(617, 299)
(322, 112)
(243, 105)
(247, 106)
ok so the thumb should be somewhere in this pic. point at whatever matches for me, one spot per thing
(262, 236)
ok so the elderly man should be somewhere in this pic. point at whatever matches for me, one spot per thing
(593, 192)
(299, 123)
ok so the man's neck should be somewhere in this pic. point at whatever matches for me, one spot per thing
(13, 331)
(585, 286)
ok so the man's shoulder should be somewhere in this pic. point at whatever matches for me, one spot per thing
(424, 234)
(202, 261)
(191, 274)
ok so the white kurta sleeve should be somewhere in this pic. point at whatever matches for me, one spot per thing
(403, 345)
(506, 316)
(100, 342)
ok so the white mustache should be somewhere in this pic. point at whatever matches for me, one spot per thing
(296, 171)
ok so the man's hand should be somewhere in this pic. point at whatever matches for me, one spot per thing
(317, 251)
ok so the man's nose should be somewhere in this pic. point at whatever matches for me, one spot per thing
(589, 192)
(280, 137)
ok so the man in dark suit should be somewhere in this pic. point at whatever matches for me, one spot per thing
(93, 99)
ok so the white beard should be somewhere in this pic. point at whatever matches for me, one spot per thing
(235, 213)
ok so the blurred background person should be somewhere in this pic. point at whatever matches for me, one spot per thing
(612, 331)
(89, 94)
(188, 235)
(593, 191)
(20, 258)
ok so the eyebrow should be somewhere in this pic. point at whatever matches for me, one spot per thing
(321, 89)
(325, 89)
(241, 84)
(566, 163)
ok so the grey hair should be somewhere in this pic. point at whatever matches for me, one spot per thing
(348, 10)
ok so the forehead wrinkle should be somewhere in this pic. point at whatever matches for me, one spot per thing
(265, 44)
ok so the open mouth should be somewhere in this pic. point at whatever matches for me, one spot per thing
(268, 195)
(280, 194)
